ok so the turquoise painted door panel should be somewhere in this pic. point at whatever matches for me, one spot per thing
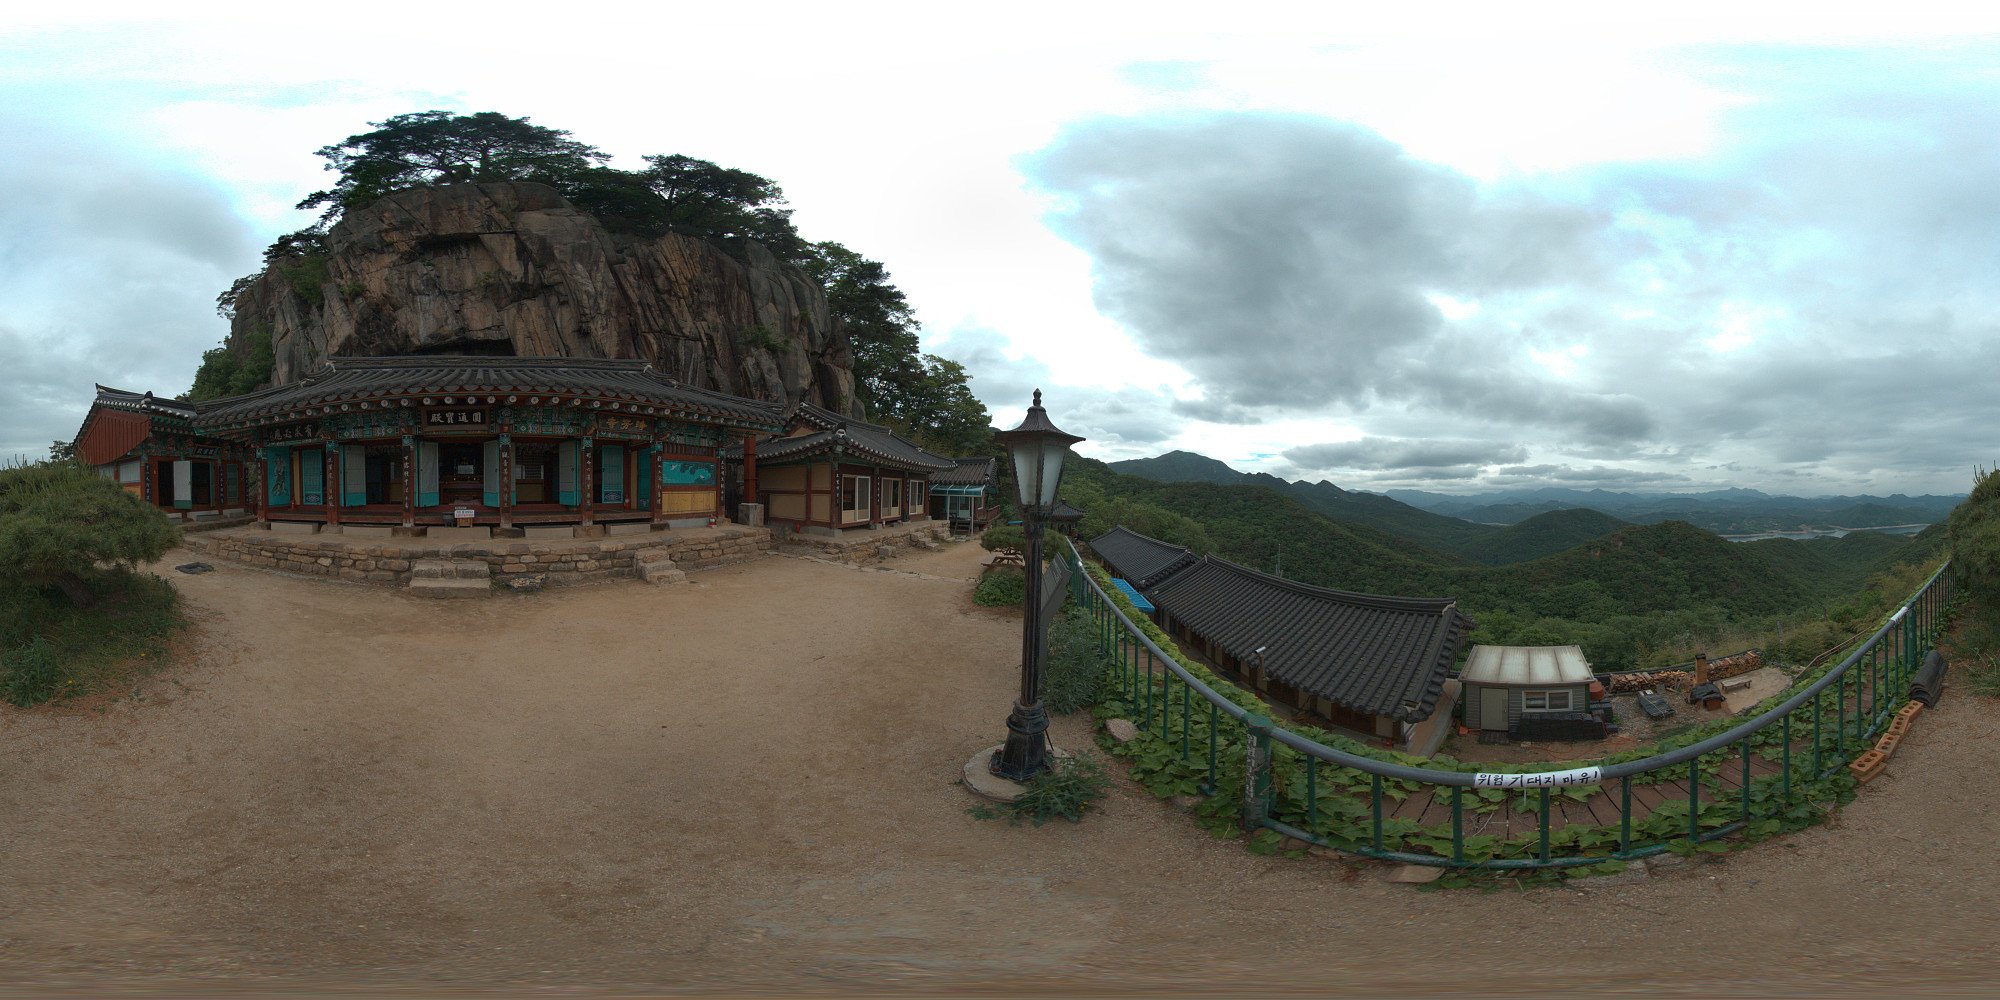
(183, 485)
(611, 474)
(278, 476)
(353, 476)
(566, 474)
(312, 477)
(492, 490)
(645, 475)
(427, 473)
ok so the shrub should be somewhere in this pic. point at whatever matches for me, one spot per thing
(60, 521)
(1074, 677)
(29, 675)
(1974, 529)
(1000, 590)
(1004, 538)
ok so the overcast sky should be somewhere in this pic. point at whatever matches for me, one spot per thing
(1739, 245)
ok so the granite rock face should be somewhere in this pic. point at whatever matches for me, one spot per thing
(515, 269)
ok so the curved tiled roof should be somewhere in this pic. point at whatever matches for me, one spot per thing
(143, 402)
(1140, 560)
(1378, 655)
(624, 386)
(980, 471)
(847, 436)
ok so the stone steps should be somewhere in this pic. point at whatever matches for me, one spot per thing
(450, 578)
(656, 566)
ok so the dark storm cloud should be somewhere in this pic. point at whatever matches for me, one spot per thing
(1813, 301)
(1288, 262)
(110, 261)
(1374, 454)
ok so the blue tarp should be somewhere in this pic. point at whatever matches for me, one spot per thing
(1138, 601)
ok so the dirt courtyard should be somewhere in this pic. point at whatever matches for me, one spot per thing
(748, 783)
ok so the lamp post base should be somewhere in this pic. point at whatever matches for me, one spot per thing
(982, 782)
(1026, 752)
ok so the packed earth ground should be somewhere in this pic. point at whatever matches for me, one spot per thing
(749, 782)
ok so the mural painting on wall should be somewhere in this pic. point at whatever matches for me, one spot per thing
(687, 474)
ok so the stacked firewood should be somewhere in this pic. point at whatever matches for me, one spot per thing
(1680, 679)
(1630, 683)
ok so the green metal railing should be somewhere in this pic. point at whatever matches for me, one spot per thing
(1763, 774)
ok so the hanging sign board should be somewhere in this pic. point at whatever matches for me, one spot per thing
(1547, 779)
(459, 417)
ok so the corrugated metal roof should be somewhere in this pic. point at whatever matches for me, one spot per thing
(1526, 666)
(1144, 561)
(1379, 655)
(627, 386)
(1132, 594)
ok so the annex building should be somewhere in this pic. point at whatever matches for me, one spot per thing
(1377, 666)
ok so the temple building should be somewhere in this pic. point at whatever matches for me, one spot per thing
(150, 446)
(964, 493)
(1377, 666)
(829, 474)
(411, 441)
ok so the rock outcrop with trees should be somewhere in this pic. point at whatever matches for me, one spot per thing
(483, 234)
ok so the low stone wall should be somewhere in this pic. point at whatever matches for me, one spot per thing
(563, 562)
(862, 546)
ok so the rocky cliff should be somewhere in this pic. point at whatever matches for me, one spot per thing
(515, 269)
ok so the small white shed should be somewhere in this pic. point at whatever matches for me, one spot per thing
(1503, 683)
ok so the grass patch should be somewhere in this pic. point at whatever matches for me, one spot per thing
(1065, 791)
(51, 650)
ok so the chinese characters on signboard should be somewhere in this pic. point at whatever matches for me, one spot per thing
(455, 418)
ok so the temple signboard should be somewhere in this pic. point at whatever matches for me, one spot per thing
(458, 418)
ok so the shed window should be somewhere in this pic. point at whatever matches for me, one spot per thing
(1545, 701)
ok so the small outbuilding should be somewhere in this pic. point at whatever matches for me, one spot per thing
(1505, 684)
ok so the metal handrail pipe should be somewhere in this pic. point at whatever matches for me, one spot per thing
(1407, 772)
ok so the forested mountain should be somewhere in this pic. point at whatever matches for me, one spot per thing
(1730, 511)
(1483, 543)
(1734, 511)
(1632, 595)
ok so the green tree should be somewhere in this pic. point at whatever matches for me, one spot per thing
(1973, 528)
(62, 451)
(426, 147)
(880, 325)
(63, 525)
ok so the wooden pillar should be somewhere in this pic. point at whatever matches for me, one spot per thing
(875, 496)
(506, 478)
(409, 480)
(586, 485)
(263, 493)
(749, 471)
(658, 497)
(146, 478)
(330, 489)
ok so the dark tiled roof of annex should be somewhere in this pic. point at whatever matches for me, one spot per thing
(609, 385)
(144, 402)
(847, 435)
(1140, 560)
(969, 472)
(1378, 655)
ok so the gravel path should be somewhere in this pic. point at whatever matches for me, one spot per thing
(749, 783)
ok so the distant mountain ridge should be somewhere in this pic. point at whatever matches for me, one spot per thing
(1442, 534)
(1727, 511)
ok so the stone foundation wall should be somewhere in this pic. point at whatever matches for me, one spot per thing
(861, 547)
(564, 562)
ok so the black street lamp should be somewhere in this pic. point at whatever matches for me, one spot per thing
(1038, 449)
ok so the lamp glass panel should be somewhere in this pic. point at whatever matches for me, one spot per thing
(1053, 453)
(1024, 472)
